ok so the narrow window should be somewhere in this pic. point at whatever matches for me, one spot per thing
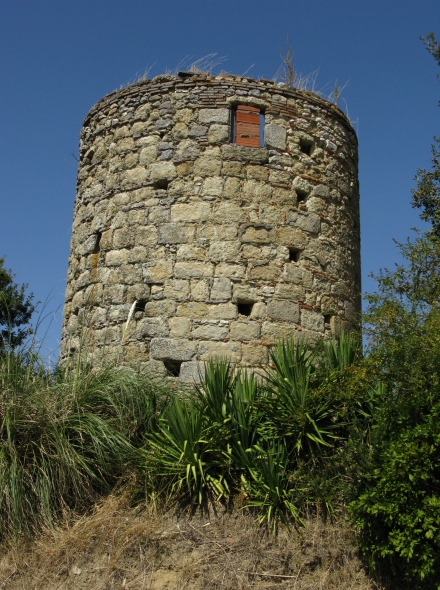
(247, 126)
(301, 196)
(140, 305)
(161, 184)
(245, 308)
(172, 367)
(96, 247)
(306, 146)
(327, 318)
(294, 254)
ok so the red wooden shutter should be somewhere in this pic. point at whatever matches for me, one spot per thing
(247, 126)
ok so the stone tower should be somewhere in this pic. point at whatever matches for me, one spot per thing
(217, 214)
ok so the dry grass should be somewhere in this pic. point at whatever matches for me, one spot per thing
(120, 548)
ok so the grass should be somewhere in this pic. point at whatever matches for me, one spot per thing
(116, 546)
(65, 437)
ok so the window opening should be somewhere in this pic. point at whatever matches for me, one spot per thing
(327, 318)
(301, 196)
(161, 184)
(245, 308)
(96, 247)
(294, 254)
(305, 145)
(172, 367)
(247, 127)
(140, 305)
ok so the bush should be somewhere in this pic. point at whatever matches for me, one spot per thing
(398, 513)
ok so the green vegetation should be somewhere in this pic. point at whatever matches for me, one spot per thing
(398, 507)
(16, 309)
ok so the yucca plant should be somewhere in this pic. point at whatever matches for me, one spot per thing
(267, 487)
(307, 421)
(337, 354)
(185, 451)
(228, 397)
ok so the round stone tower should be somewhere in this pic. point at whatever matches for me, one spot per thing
(213, 216)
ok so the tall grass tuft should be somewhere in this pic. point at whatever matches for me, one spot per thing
(65, 436)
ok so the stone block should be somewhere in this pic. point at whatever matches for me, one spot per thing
(137, 254)
(116, 257)
(228, 351)
(162, 171)
(257, 191)
(193, 309)
(200, 290)
(255, 354)
(210, 332)
(188, 270)
(148, 155)
(283, 310)
(302, 185)
(207, 116)
(218, 133)
(291, 237)
(221, 289)
(256, 234)
(309, 222)
(312, 320)
(176, 289)
(193, 211)
(275, 136)
(245, 330)
(229, 212)
(222, 311)
(224, 251)
(160, 308)
(272, 332)
(190, 252)
(212, 187)
(207, 166)
(179, 327)
(146, 235)
(267, 272)
(198, 130)
(187, 149)
(135, 176)
(158, 215)
(151, 328)
(176, 349)
(191, 371)
(174, 233)
(233, 271)
(257, 173)
(162, 270)
(233, 169)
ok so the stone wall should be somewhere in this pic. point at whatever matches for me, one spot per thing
(217, 249)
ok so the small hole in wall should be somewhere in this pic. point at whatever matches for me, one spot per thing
(301, 196)
(172, 367)
(306, 146)
(140, 305)
(294, 254)
(245, 308)
(327, 318)
(161, 184)
(96, 247)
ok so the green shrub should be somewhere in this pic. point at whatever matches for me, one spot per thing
(398, 515)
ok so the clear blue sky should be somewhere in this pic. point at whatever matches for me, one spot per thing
(57, 59)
